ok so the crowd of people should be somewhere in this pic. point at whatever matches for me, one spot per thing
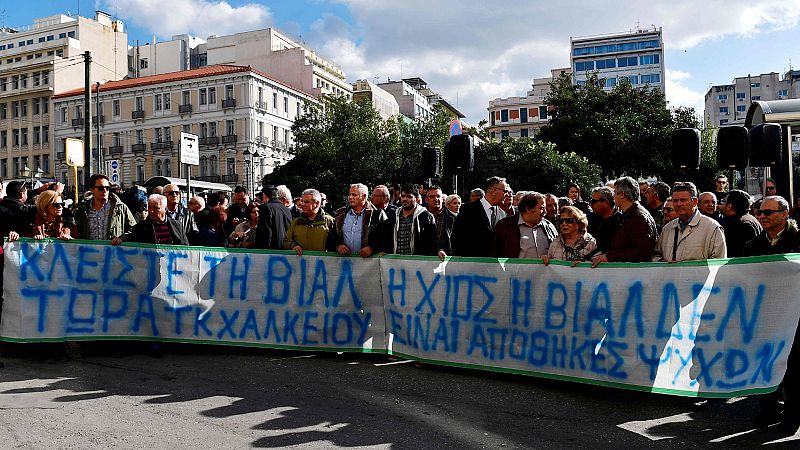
(625, 221)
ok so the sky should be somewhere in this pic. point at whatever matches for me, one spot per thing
(473, 51)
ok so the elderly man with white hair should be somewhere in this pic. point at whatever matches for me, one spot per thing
(356, 224)
(157, 228)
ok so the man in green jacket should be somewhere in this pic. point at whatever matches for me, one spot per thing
(310, 230)
(104, 216)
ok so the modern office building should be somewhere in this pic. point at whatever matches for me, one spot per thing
(416, 99)
(39, 60)
(637, 56)
(243, 118)
(727, 104)
(383, 102)
(521, 116)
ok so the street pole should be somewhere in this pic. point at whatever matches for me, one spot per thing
(87, 122)
(97, 112)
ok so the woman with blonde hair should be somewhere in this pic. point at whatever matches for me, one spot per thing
(453, 203)
(50, 221)
(573, 242)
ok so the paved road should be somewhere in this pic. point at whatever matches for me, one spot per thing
(224, 397)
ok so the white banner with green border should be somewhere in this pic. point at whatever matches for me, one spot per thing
(717, 328)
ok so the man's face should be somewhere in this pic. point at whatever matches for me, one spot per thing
(669, 211)
(474, 197)
(434, 200)
(721, 183)
(771, 216)
(643, 187)
(708, 204)
(241, 199)
(651, 197)
(355, 198)
(598, 203)
(551, 206)
(380, 198)
(173, 196)
(408, 200)
(101, 190)
(684, 204)
(534, 215)
(156, 211)
(495, 194)
(770, 189)
(310, 206)
(574, 194)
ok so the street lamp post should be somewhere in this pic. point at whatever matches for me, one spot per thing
(26, 172)
(248, 158)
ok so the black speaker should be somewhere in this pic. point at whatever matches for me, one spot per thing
(765, 145)
(460, 152)
(429, 164)
(733, 147)
(686, 148)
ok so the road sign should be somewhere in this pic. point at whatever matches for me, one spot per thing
(455, 127)
(113, 168)
(190, 150)
(73, 150)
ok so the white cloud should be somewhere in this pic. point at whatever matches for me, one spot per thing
(678, 94)
(200, 18)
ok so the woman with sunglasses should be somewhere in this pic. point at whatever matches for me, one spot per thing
(50, 220)
(573, 242)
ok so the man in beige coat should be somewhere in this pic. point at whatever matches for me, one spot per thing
(692, 235)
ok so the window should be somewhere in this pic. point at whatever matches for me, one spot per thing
(36, 106)
(611, 82)
(41, 39)
(37, 79)
(157, 102)
(261, 131)
(15, 109)
(652, 78)
(741, 95)
(140, 136)
(722, 97)
(231, 165)
(167, 103)
(212, 96)
(203, 96)
(503, 134)
(46, 140)
(584, 66)
(230, 129)
(723, 110)
(143, 63)
(36, 136)
(139, 103)
(755, 85)
(275, 100)
(627, 62)
(3, 84)
(286, 104)
(140, 172)
(212, 129)
(71, 34)
(63, 114)
(503, 115)
(741, 108)
(46, 162)
(24, 136)
(543, 112)
(228, 91)
(606, 64)
(3, 165)
(45, 105)
(755, 98)
(203, 130)
(167, 134)
(186, 128)
(3, 111)
(783, 92)
(649, 59)
(115, 110)
(15, 82)
(260, 103)
(523, 132)
(159, 135)
(23, 81)
(3, 141)
(186, 98)
(299, 110)
(523, 115)
(159, 169)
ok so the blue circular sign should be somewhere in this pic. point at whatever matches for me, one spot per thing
(455, 128)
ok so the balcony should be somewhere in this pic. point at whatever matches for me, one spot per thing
(115, 150)
(211, 140)
(166, 145)
(137, 114)
(138, 148)
(77, 122)
(229, 103)
(229, 139)
(230, 178)
(61, 156)
(185, 109)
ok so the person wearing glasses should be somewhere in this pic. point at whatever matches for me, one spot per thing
(740, 227)
(770, 188)
(475, 223)
(691, 236)
(51, 220)
(103, 216)
(669, 210)
(526, 234)
(603, 224)
(573, 243)
(721, 187)
(636, 235)
(180, 213)
(780, 235)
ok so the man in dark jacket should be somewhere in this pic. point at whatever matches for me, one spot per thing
(636, 236)
(740, 227)
(354, 224)
(157, 228)
(409, 230)
(273, 220)
(526, 234)
(475, 223)
(444, 217)
(780, 235)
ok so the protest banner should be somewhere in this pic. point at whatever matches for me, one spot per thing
(716, 328)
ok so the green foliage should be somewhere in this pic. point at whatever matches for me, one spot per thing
(342, 142)
(528, 165)
(627, 130)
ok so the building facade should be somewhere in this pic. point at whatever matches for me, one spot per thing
(517, 117)
(727, 104)
(243, 118)
(267, 50)
(383, 102)
(39, 60)
(637, 56)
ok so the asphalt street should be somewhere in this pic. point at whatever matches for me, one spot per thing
(227, 397)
